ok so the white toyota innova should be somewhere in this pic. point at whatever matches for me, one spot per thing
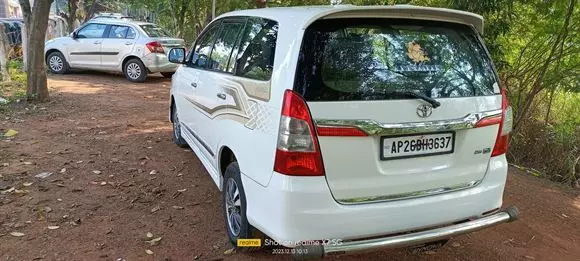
(334, 129)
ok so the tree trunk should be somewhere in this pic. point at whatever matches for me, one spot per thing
(73, 6)
(4, 47)
(91, 11)
(36, 19)
(549, 108)
(181, 19)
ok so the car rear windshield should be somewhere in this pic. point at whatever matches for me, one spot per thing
(381, 59)
(154, 31)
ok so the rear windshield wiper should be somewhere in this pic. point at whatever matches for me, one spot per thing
(426, 98)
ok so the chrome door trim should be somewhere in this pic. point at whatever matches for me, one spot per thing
(409, 195)
(372, 127)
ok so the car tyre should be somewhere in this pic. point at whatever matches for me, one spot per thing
(135, 70)
(234, 208)
(57, 64)
(177, 138)
(167, 75)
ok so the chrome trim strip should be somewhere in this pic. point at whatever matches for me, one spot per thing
(409, 239)
(372, 127)
(409, 195)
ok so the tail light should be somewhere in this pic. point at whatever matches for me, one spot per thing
(155, 47)
(505, 126)
(505, 121)
(297, 152)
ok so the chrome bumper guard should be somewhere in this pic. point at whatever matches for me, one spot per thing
(307, 252)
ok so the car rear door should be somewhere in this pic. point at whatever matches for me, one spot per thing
(357, 75)
(85, 50)
(118, 44)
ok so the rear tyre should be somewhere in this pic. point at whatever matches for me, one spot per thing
(135, 70)
(167, 75)
(177, 139)
(57, 63)
(234, 208)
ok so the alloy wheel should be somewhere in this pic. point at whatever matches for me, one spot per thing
(233, 207)
(133, 71)
(56, 63)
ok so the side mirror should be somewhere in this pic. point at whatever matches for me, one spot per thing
(74, 35)
(177, 55)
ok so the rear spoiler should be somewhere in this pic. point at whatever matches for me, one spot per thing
(403, 12)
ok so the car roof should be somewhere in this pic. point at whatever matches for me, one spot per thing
(305, 15)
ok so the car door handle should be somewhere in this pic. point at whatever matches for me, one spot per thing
(221, 96)
(97, 42)
(128, 43)
(194, 85)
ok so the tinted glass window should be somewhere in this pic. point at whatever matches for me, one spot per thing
(256, 53)
(377, 59)
(202, 49)
(92, 31)
(153, 30)
(222, 49)
(131, 34)
(118, 32)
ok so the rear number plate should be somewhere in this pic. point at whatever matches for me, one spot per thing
(417, 145)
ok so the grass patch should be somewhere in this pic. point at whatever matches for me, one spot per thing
(15, 89)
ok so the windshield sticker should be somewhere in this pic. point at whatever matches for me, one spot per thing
(416, 53)
(417, 68)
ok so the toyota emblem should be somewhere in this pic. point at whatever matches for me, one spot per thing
(424, 110)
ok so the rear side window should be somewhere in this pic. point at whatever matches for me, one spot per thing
(131, 33)
(118, 32)
(255, 57)
(378, 59)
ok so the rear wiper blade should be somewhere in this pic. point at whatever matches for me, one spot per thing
(426, 98)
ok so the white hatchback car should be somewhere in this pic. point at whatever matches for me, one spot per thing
(342, 128)
(119, 45)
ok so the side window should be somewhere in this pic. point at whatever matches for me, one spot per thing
(118, 32)
(202, 49)
(255, 58)
(224, 44)
(131, 34)
(92, 31)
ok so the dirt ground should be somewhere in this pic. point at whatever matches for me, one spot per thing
(117, 176)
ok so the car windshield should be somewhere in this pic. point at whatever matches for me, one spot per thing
(154, 31)
(377, 59)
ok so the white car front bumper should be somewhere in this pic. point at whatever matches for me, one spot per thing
(292, 210)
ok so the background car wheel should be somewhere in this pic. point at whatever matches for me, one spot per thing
(235, 204)
(135, 70)
(57, 63)
(177, 139)
(167, 75)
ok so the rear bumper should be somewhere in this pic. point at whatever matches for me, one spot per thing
(157, 62)
(296, 209)
(411, 239)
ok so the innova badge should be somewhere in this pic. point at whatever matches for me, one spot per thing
(424, 110)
